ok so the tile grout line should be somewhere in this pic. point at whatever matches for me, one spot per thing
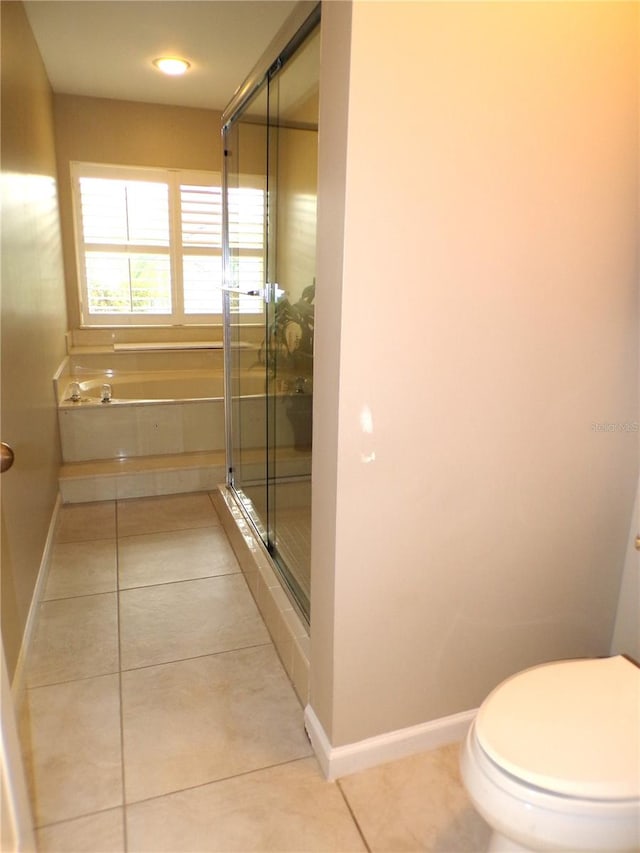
(180, 580)
(120, 670)
(78, 596)
(68, 820)
(123, 772)
(222, 779)
(74, 680)
(353, 817)
(143, 666)
(208, 526)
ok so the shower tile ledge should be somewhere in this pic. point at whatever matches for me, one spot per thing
(289, 633)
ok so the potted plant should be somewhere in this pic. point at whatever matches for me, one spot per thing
(287, 353)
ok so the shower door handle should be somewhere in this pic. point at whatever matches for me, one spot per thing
(262, 292)
(271, 292)
(231, 289)
(6, 457)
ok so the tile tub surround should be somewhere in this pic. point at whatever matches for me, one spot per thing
(141, 447)
(206, 751)
(153, 425)
(109, 455)
(114, 431)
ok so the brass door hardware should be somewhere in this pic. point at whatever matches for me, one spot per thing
(6, 457)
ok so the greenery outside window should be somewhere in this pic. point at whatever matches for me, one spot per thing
(149, 244)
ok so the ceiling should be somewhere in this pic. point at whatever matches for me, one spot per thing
(104, 48)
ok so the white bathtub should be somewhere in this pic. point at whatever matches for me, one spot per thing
(152, 388)
(161, 413)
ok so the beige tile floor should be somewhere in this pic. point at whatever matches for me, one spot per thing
(159, 718)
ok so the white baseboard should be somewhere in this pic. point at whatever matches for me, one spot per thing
(342, 760)
(18, 682)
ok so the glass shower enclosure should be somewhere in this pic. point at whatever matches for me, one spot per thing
(270, 142)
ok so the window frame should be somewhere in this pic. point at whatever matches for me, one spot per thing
(175, 250)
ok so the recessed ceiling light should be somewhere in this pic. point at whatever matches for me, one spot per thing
(171, 65)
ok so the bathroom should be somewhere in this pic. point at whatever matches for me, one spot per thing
(468, 518)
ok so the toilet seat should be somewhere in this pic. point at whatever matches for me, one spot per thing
(527, 818)
(570, 728)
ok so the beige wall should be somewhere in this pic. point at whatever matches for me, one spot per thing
(332, 184)
(626, 634)
(297, 169)
(297, 188)
(98, 130)
(33, 318)
(476, 315)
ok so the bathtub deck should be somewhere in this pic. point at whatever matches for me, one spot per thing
(146, 476)
(141, 476)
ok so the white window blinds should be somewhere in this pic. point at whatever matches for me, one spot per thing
(150, 244)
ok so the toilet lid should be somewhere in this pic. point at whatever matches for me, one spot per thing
(570, 727)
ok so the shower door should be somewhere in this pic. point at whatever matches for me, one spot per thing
(270, 190)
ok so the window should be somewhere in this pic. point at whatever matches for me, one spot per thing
(149, 244)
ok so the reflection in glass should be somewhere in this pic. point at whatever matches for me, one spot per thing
(271, 188)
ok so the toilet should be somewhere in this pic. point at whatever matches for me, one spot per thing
(552, 759)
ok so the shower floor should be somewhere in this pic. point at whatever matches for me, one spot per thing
(292, 525)
(294, 544)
